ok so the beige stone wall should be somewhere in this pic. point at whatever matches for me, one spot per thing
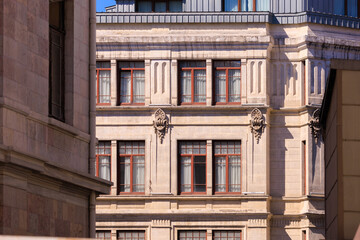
(282, 180)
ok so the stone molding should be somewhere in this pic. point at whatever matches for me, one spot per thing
(288, 223)
(257, 222)
(257, 123)
(314, 125)
(160, 124)
(160, 223)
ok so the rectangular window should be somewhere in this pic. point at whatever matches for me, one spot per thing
(227, 235)
(103, 160)
(131, 167)
(245, 5)
(192, 82)
(192, 166)
(349, 8)
(227, 82)
(103, 83)
(56, 60)
(304, 166)
(159, 6)
(131, 235)
(192, 235)
(132, 83)
(227, 159)
(103, 235)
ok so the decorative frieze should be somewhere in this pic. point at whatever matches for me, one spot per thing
(160, 223)
(288, 223)
(160, 124)
(257, 222)
(257, 123)
(314, 124)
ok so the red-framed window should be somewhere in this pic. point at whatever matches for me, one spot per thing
(158, 5)
(246, 5)
(103, 77)
(131, 167)
(103, 235)
(192, 82)
(192, 163)
(103, 160)
(192, 235)
(227, 161)
(130, 235)
(227, 235)
(227, 79)
(131, 84)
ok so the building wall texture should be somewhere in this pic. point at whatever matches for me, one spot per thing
(45, 183)
(284, 72)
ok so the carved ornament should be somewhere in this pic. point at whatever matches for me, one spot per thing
(257, 123)
(160, 124)
(315, 125)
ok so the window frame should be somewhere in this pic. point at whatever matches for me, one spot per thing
(98, 85)
(191, 69)
(102, 231)
(60, 31)
(227, 82)
(119, 87)
(130, 231)
(226, 155)
(167, 2)
(131, 169)
(192, 167)
(239, 6)
(227, 231)
(105, 155)
(191, 230)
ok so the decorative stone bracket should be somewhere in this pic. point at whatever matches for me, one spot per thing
(257, 123)
(160, 124)
(314, 124)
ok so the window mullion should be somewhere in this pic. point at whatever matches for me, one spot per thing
(254, 5)
(131, 85)
(192, 86)
(131, 173)
(227, 173)
(227, 85)
(239, 5)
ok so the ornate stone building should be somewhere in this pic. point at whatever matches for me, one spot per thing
(207, 116)
(47, 134)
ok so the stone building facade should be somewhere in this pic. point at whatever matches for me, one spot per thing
(47, 134)
(207, 117)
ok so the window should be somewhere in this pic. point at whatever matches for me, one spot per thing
(132, 83)
(192, 235)
(131, 235)
(349, 8)
(192, 82)
(227, 159)
(56, 60)
(227, 82)
(103, 83)
(103, 235)
(131, 167)
(159, 6)
(103, 160)
(245, 5)
(227, 235)
(192, 166)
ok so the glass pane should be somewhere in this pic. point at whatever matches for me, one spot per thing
(220, 86)
(234, 85)
(139, 86)
(125, 92)
(339, 7)
(138, 174)
(262, 5)
(175, 6)
(199, 174)
(200, 85)
(234, 173)
(124, 176)
(185, 86)
(104, 86)
(247, 5)
(220, 174)
(160, 6)
(352, 8)
(185, 174)
(104, 167)
(231, 5)
(102, 64)
(144, 6)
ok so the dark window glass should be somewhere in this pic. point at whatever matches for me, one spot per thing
(227, 235)
(103, 235)
(132, 83)
(131, 235)
(192, 235)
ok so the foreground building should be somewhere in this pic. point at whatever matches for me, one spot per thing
(47, 134)
(207, 116)
(340, 119)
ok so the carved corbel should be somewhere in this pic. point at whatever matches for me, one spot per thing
(314, 124)
(160, 124)
(257, 123)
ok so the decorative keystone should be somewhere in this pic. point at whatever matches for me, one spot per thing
(257, 123)
(160, 124)
(314, 124)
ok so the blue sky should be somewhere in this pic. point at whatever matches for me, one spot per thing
(101, 4)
